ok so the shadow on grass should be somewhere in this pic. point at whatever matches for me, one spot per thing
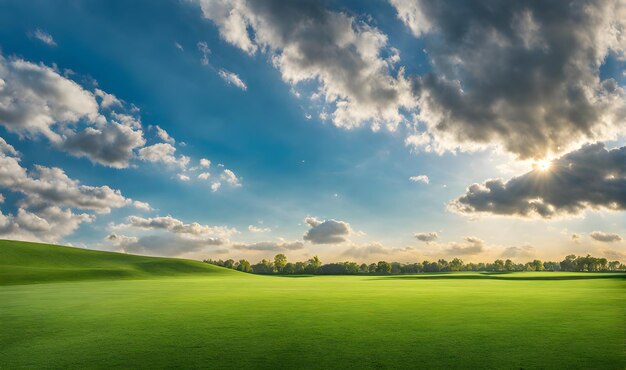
(504, 276)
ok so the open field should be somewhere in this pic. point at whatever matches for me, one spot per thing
(70, 308)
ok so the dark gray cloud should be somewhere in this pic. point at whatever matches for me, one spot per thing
(605, 237)
(349, 59)
(112, 144)
(427, 237)
(590, 177)
(326, 232)
(521, 74)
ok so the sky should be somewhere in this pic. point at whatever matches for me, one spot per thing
(397, 130)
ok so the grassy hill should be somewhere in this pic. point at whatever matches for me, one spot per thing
(109, 310)
(28, 263)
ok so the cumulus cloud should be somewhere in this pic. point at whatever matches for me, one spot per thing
(111, 144)
(524, 251)
(41, 224)
(44, 37)
(591, 177)
(205, 163)
(36, 100)
(107, 100)
(605, 237)
(523, 75)
(163, 153)
(210, 235)
(281, 245)
(426, 237)
(46, 211)
(204, 176)
(51, 186)
(230, 178)
(421, 178)
(33, 97)
(232, 79)
(348, 58)
(327, 231)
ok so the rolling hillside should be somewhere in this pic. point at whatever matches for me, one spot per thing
(27, 263)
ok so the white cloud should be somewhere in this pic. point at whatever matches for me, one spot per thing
(214, 235)
(307, 42)
(256, 229)
(327, 231)
(107, 100)
(163, 153)
(163, 135)
(182, 177)
(232, 79)
(215, 186)
(44, 37)
(203, 48)
(204, 176)
(230, 178)
(421, 178)
(205, 163)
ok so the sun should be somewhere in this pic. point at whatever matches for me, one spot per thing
(543, 165)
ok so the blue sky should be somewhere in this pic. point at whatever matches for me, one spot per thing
(290, 163)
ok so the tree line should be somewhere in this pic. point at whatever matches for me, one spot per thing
(314, 265)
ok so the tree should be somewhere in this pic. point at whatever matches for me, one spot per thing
(383, 267)
(280, 260)
(229, 263)
(498, 265)
(364, 269)
(372, 268)
(289, 268)
(313, 265)
(456, 264)
(568, 263)
(508, 265)
(244, 266)
(537, 265)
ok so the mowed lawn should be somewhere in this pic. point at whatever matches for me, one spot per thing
(224, 319)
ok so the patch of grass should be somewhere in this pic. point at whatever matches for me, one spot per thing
(29, 263)
(232, 320)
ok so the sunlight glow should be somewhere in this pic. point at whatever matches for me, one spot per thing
(543, 165)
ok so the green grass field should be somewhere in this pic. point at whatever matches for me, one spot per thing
(72, 308)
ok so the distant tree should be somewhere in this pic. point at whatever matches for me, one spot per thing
(364, 269)
(613, 265)
(313, 265)
(300, 267)
(537, 265)
(372, 268)
(289, 268)
(508, 265)
(244, 266)
(351, 268)
(229, 263)
(383, 267)
(456, 264)
(280, 260)
(569, 264)
(263, 267)
(396, 267)
(498, 265)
